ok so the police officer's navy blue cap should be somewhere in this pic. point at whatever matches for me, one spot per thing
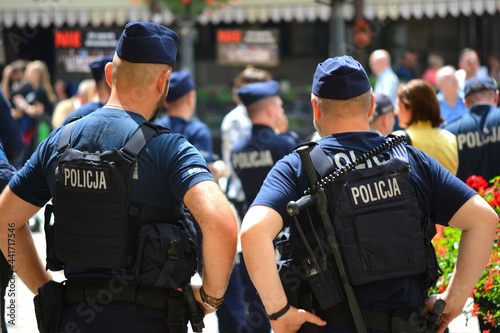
(340, 78)
(479, 83)
(181, 83)
(383, 105)
(97, 67)
(146, 42)
(252, 92)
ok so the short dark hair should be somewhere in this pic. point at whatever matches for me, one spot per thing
(421, 98)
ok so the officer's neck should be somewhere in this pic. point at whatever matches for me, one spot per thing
(335, 126)
(128, 104)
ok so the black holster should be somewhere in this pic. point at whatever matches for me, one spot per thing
(50, 304)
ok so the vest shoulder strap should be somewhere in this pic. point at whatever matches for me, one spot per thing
(132, 147)
(140, 138)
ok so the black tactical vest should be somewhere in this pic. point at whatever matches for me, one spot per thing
(381, 231)
(96, 224)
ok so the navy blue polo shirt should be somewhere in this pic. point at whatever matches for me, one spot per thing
(440, 195)
(253, 157)
(478, 141)
(7, 171)
(166, 168)
(83, 110)
(196, 132)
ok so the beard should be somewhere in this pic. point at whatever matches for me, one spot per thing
(160, 104)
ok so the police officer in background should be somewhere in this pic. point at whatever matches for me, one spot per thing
(382, 119)
(168, 172)
(477, 130)
(254, 156)
(384, 238)
(181, 106)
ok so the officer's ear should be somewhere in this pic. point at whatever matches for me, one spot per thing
(316, 112)
(372, 106)
(163, 81)
(107, 72)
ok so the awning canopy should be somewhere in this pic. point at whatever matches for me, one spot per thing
(33, 13)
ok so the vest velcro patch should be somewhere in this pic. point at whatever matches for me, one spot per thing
(85, 179)
(374, 191)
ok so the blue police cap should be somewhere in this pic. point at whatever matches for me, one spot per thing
(479, 83)
(252, 92)
(97, 67)
(383, 105)
(181, 83)
(146, 42)
(340, 78)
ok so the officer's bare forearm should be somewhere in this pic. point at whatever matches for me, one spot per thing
(479, 224)
(218, 224)
(17, 243)
(260, 226)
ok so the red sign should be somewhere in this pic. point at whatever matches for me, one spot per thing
(229, 36)
(68, 38)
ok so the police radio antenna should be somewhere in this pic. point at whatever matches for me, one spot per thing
(392, 140)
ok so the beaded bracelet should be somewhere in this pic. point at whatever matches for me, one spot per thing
(211, 302)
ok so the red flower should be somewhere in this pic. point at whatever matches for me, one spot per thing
(477, 183)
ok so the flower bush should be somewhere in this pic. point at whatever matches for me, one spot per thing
(486, 294)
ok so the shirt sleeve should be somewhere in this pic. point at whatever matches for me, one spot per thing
(32, 182)
(440, 193)
(183, 166)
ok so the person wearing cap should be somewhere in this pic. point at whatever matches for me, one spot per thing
(382, 120)
(102, 88)
(166, 174)
(235, 126)
(477, 130)
(418, 112)
(342, 103)
(181, 106)
(252, 158)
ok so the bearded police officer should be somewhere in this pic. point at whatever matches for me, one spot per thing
(119, 230)
(478, 131)
(381, 208)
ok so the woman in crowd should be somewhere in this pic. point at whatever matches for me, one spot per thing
(33, 105)
(419, 114)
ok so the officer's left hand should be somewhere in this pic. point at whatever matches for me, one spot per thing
(197, 297)
(293, 320)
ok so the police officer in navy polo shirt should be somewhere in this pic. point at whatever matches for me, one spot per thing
(478, 131)
(102, 88)
(381, 237)
(181, 106)
(252, 158)
(108, 288)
